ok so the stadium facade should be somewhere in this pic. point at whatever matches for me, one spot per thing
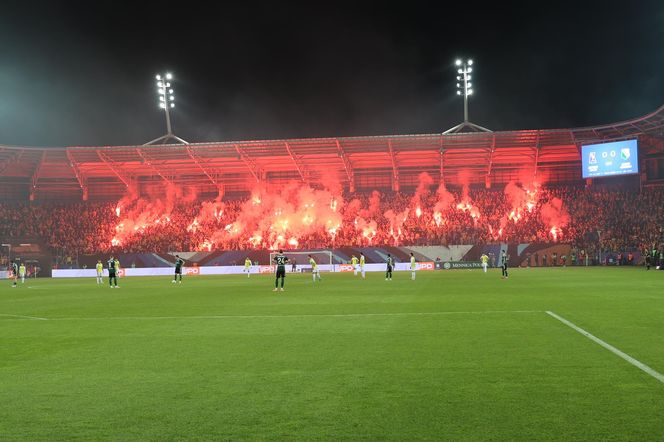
(371, 162)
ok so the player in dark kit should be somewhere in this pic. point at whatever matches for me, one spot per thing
(112, 267)
(390, 266)
(504, 258)
(14, 272)
(281, 261)
(179, 262)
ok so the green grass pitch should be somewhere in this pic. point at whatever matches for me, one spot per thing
(456, 355)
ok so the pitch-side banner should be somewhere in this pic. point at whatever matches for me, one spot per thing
(406, 266)
(231, 270)
(147, 271)
(322, 268)
(451, 265)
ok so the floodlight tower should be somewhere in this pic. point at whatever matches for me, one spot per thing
(166, 102)
(465, 89)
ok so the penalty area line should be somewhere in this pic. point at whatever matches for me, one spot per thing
(35, 318)
(638, 364)
(339, 315)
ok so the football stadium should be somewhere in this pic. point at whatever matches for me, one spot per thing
(567, 344)
(468, 284)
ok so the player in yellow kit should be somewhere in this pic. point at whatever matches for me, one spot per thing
(353, 262)
(21, 272)
(362, 264)
(100, 272)
(315, 273)
(247, 266)
(485, 261)
(413, 266)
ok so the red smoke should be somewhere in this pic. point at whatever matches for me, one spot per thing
(138, 214)
(297, 213)
(396, 223)
(466, 203)
(443, 204)
(422, 191)
(277, 218)
(554, 215)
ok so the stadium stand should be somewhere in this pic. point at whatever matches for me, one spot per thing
(68, 198)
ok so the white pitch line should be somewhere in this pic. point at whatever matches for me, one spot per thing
(349, 315)
(24, 317)
(638, 364)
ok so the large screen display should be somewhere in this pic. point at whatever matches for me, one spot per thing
(608, 159)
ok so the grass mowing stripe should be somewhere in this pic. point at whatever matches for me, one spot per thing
(340, 315)
(24, 317)
(638, 364)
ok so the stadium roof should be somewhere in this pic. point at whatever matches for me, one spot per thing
(371, 162)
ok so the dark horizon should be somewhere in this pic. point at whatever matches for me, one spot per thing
(84, 75)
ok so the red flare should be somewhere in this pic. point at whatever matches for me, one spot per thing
(193, 226)
(554, 231)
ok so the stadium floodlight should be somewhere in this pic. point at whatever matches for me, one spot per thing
(464, 86)
(464, 89)
(165, 94)
(166, 101)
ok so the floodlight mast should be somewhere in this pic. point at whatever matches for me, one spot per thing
(465, 89)
(166, 102)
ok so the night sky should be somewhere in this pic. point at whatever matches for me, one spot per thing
(83, 74)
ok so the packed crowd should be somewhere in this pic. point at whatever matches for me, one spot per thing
(614, 220)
